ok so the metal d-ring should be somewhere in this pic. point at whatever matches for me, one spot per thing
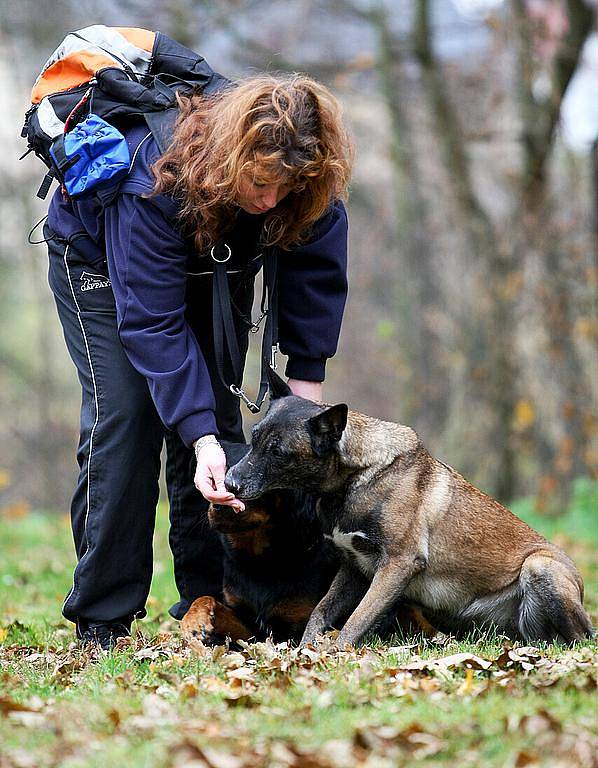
(221, 261)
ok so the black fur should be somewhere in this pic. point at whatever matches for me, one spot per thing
(327, 428)
(544, 615)
(295, 568)
(277, 386)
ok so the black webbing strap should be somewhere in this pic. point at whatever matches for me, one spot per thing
(225, 336)
(161, 124)
(60, 164)
(270, 337)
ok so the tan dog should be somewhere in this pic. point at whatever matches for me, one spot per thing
(409, 527)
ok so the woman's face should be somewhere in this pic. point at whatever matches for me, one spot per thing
(258, 197)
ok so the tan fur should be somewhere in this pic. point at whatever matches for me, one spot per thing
(446, 545)
(253, 541)
(207, 619)
(231, 600)
(411, 620)
(294, 611)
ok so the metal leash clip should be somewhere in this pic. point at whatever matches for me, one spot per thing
(255, 325)
(275, 350)
(249, 403)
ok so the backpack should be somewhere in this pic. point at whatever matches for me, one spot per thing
(98, 80)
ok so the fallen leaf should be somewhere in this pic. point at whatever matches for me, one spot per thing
(525, 758)
(156, 707)
(217, 652)
(27, 718)
(65, 668)
(33, 657)
(241, 673)
(20, 758)
(397, 649)
(114, 717)
(466, 688)
(311, 653)
(9, 705)
(538, 722)
(232, 660)
(239, 698)
(467, 660)
(188, 689)
(147, 653)
(216, 759)
(525, 658)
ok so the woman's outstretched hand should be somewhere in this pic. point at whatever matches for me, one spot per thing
(209, 477)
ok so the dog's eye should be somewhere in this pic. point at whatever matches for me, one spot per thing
(276, 450)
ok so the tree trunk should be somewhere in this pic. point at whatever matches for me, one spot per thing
(420, 290)
(560, 435)
(497, 356)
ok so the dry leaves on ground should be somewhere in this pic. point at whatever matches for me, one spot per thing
(249, 678)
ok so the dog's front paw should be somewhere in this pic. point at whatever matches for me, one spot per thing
(209, 622)
(321, 642)
(309, 638)
(197, 625)
(343, 640)
(316, 638)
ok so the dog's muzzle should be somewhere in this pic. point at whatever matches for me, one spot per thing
(245, 480)
(232, 483)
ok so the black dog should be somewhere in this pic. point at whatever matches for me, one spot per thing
(277, 567)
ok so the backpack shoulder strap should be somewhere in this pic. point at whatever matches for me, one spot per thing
(161, 124)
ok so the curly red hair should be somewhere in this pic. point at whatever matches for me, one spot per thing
(266, 129)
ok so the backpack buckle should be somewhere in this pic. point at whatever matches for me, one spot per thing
(44, 187)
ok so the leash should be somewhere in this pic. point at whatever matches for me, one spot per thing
(225, 337)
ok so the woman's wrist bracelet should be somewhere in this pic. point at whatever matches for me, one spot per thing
(203, 441)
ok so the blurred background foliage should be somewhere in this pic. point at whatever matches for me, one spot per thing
(473, 212)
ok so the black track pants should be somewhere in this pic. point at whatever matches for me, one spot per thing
(121, 436)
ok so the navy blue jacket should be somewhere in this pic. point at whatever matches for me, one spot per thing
(137, 239)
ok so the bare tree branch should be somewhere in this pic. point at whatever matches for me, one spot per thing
(449, 130)
(540, 114)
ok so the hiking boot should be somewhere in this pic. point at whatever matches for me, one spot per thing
(104, 634)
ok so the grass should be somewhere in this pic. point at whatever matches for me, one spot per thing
(156, 702)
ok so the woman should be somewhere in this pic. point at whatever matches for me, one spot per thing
(263, 164)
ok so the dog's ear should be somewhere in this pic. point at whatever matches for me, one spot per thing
(278, 387)
(326, 428)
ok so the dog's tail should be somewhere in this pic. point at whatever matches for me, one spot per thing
(551, 607)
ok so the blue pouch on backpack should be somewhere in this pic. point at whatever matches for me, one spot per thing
(94, 154)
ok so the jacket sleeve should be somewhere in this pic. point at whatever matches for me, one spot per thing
(312, 286)
(147, 265)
